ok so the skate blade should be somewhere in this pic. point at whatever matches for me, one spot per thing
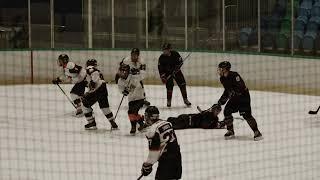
(258, 138)
(114, 129)
(230, 137)
(91, 128)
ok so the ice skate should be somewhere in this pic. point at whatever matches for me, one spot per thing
(133, 128)
(187, 102)
(229, 135)
(91, 126)
(169, 103)
(114, 125)
(257, 136)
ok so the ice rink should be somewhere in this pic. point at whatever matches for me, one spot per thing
(41, 140)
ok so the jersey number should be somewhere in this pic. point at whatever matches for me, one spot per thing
(170, 135)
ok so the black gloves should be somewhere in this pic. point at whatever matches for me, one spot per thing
(56, 81)
(125, 92)
(146, 169)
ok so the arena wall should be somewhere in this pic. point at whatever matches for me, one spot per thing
(261, 72)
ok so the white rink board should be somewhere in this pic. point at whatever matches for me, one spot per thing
(201, 66)
(39, 139)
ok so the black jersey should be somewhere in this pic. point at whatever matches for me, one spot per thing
(168, 64)
(205, 120)
(234, 87)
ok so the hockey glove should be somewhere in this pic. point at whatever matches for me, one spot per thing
(163, 78)
(56, 81)
(134, 71)
(125, 92)
(146, 169)
(216, 108)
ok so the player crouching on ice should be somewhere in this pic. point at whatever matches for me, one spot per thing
(129, 85)
(207, 119)
(77, 75)
(97, 92)
(163, 147)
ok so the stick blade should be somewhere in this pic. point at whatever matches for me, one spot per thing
(312, 112)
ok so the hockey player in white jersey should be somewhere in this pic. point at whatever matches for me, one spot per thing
(76, 74)
(97, 93)
(137, 66)
(129, 85)
(163, 147)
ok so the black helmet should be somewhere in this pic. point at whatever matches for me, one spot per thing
(92, 62)
(151, 114)
(166, 46)
(225, 64)
(135, 51)
(63, 59)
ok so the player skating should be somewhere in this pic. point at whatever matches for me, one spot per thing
(169, 66)
(76, 74)
(97, 93)
(163, 147)
(237, 97)
(129, 85)
(137, 66)
(207, 119)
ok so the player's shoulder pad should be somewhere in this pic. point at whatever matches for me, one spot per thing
(175, 53)
(154, 128)
(70, 65)
(235, 75)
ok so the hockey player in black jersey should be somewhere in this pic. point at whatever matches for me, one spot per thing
(169, 66)
(237, 97)
(207, 119)
(97, 93)
(76, 74)
(163, 147)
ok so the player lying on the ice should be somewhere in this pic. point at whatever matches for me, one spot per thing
(207, 119)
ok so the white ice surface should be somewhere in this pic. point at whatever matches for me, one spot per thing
(40, 140)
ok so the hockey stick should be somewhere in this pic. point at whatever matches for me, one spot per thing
(121, 101)
(176, 70)
(314, 112)
(200, 110)
(66, 96)
(140, 177)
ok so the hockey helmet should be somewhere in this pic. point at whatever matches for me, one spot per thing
(225, 65)
(124, 71)
(151, 115)
(135, 51)
(63, 59)
(166, 46)
(92, 62)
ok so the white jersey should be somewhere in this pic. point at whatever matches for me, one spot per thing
(73, 72)
(160, 135)
(133, 85)
(140, 66)
(93, 78)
